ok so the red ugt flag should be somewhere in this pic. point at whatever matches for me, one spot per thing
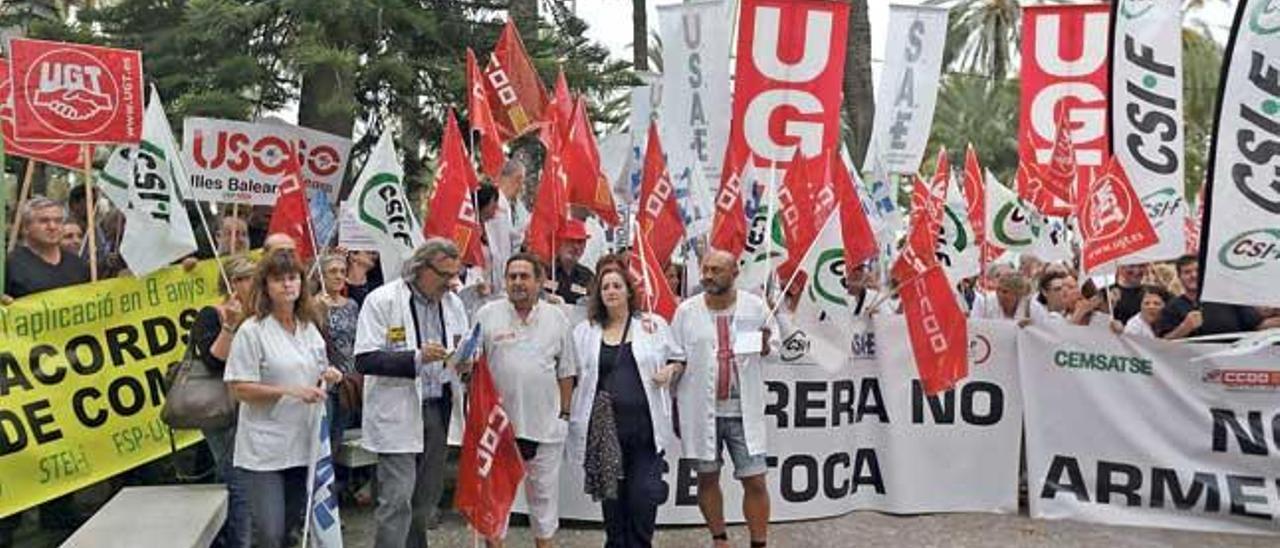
(1113, 223)
(481, 118)
(70, 156)
(516, 93)
(74, 93)
(489, 466)
(452, 213)
(291, 215)
(659, 215)
(938, 330)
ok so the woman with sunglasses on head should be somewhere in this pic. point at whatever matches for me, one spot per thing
(620, 419)
(275, 369)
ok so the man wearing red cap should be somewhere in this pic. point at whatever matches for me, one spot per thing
(571, 277)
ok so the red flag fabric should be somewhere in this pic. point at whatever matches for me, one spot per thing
(1060, 174)
(975, 197)
(549, 206)
(75, 93)
(659, 216)
(561, 104)
(931, 198)
(70, 156)
(451, 213)
(516, 93)
(938, 330)
(919, 252)
(481, 117)
(489, 465)
(588, 185)
(729, 226)
(656, 295)
(292, 216)
(1030, 182)
(1113, 223)
(799, 211)
(855, 229)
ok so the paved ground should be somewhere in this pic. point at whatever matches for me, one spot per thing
(858, 528)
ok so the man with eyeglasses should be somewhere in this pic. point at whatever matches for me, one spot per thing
(406, 330)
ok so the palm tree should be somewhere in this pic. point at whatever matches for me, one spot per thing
(982, 36)
(859, 97)
(1201, 68)
(974, 109)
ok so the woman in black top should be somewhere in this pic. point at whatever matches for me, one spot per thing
(620, 422)
(211, 334)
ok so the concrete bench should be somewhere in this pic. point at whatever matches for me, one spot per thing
(177, 516)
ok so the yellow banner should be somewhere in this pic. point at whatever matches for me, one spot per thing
(82, 380)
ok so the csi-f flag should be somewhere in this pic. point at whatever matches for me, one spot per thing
(1241, 222)
(1010, 223)
(822, 316)
(157, 230)
(383, 210)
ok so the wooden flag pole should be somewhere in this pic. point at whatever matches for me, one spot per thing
(23, 195)
(90, 204)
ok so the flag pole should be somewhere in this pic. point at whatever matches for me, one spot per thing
(213, 245)
(794, 273)
(769, 192)
(23, 195)
(315, 248)
(90, 204)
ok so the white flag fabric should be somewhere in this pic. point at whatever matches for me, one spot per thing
(157, 230)
(323, 526)
(765, 248)
(820, 324)
(908, 88)
(695, 83)
(1054, 242)
(958, 247)
(114, 178)
(1146, 116)
(1241, 226)
(1011, 223)
(380, 206)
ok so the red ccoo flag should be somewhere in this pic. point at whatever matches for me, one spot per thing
(452, 214)
(1060, 174)
(516, 93)
(659, 215)
(292, 216)
(729, 226)
(799, 209)
(938, 330)
(975, 197)
(930, 199)
(656, 295)
(1113, 223)
(549, 206)
(489, 465)
(587, 184)
(561, 105)
(481, 117)
(855, 229)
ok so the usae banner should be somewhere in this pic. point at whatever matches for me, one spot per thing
(82, 380)
(1241, 242)
(909, 86)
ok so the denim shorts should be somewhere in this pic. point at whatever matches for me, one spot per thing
(730, 432)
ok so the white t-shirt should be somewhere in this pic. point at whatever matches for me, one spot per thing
(1138, 326)
(277, 435)
(528, 358)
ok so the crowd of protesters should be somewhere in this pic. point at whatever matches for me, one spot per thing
(587, 376)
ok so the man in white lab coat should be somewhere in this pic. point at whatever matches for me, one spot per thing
(720, 337)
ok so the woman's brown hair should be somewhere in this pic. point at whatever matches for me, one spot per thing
(277, 264)
(596, 311)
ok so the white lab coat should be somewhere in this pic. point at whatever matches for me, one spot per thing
(651, 344)
(392, 418)
(693, 331)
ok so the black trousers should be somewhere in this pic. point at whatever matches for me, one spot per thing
(630, 519)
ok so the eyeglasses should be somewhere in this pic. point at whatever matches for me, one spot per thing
(442, 273)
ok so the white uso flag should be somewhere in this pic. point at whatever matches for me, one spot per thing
(381, 208)
(157, 230)
(1011, 223)
(1146, 116)
(821, 321)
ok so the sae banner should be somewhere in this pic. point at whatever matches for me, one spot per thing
(1240, 254)
(1146, 115)
(1143, 432)
(909, 86)
(863, 436)
(82, 380)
